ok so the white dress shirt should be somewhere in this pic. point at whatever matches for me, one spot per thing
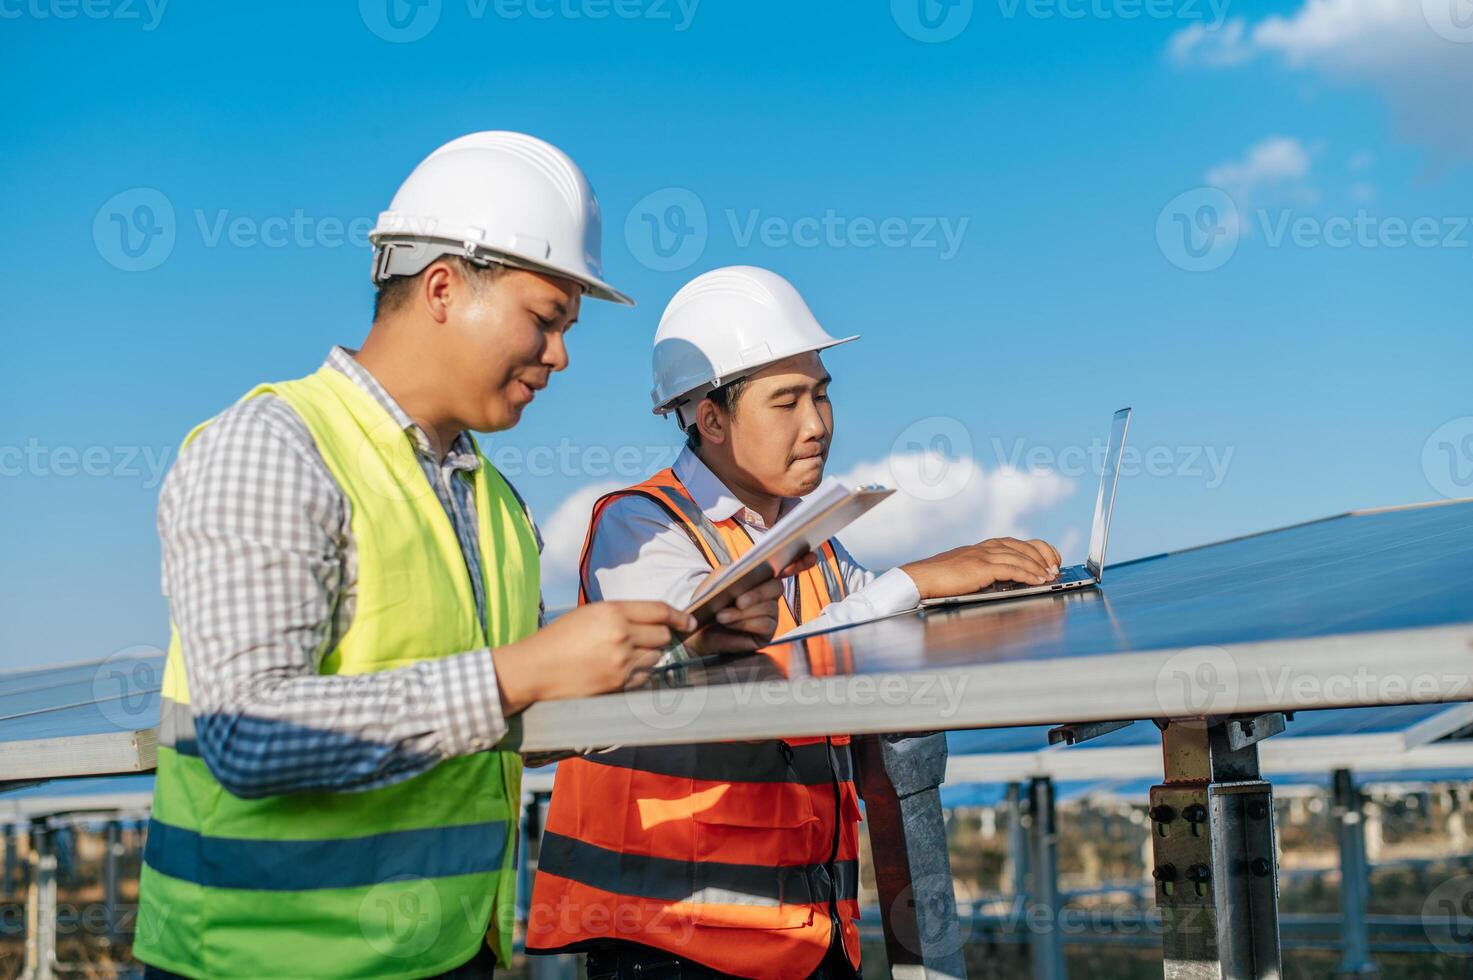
(639, 552)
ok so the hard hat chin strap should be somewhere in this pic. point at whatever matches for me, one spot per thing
(410, 257)
(685, 409)
(685, 412)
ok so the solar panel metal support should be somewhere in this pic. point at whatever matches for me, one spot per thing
(900, 778)
(8, 882)
(1017, 847)
(1348, 808)
(1248, 730)
(1082, 731)
(1213, 841)
(41, 906)
(112, 855)
(1046, 940)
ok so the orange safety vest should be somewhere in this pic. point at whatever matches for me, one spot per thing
(738, 855)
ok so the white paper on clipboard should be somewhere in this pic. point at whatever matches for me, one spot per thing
(819, 516)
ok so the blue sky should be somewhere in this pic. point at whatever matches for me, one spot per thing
(1066, 146)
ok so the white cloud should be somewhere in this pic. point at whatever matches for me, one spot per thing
(1326, 26)
(562, 543)
(1220, 47)
(1274, 163)
(1418, 53)
(986, 504)
(1273, 172)
(908, 526)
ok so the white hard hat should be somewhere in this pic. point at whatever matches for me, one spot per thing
(495, 197)
(724, 325)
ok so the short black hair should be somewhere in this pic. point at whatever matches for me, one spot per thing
(725, 396)
(392, 293)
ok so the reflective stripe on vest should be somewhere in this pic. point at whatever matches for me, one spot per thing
(405, 880)
(698, 882)
(733, 854)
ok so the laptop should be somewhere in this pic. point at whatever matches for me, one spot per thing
(1074, 576)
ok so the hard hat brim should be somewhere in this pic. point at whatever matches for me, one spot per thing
(598, 289)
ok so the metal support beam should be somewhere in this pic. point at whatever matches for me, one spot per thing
(1043, 903)
(41, 907)
(1017, 847)
(899, 779)
(1349, 811)
(112, 854)
(8, 882)
(1082, 731)
(1213, 839)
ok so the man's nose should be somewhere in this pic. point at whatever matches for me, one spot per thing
(814, 426)
(555, 354)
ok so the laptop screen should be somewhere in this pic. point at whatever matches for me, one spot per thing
(1105, 499)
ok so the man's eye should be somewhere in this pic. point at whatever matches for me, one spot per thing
(785, 405)
(822, 397)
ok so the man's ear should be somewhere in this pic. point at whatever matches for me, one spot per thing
(440, 279)
(711, 422)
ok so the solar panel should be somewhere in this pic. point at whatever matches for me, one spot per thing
(1415, 723)
(1377, 599)
(113, 794)
(82, 718)
(1369, 608)
(1138, 790)
(114, 694)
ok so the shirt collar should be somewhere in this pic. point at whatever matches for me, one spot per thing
(462, 452)
(711, 495)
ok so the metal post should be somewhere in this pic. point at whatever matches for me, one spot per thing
(899, 778)
(113, 844)
(1017, 847)
(1354, 878)
(64, 846)
(41, 907)
(1212, 827)
(8, 882)
(1043, 903)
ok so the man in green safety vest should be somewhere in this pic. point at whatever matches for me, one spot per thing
(356, 608)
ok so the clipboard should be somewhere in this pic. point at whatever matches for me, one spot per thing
(819, 516)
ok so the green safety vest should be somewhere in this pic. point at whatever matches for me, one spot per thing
(400, 881)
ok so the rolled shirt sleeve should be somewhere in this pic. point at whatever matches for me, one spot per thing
(870, 596)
